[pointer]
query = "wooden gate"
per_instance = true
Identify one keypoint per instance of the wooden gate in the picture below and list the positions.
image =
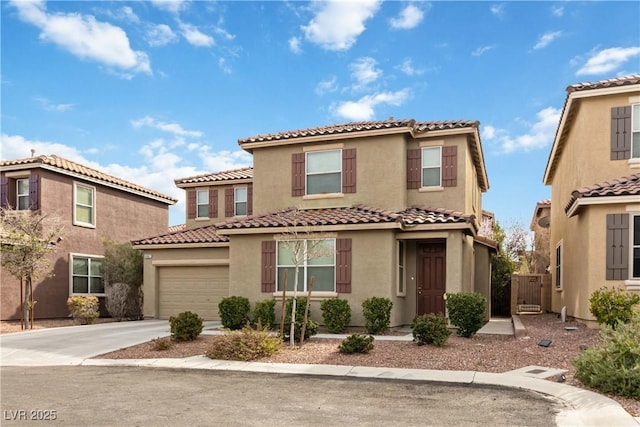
(530, 293)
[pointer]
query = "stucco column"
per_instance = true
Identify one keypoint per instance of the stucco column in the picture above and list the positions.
(149, 287)
(455, 262)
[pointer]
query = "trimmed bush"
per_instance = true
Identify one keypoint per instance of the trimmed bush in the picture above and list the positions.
(312, 326)
(613, 364)
(611, 306)
(84, 309)
(336, 314)
(377, 314)
(186, 326)
(264, 313)
(466, 311)
(430, 329)
(234, 312)
(356, 343)
(245, 344)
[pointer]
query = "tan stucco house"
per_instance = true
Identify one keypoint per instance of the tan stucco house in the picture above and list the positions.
(594, 174)
(396, 203)
(90, 206)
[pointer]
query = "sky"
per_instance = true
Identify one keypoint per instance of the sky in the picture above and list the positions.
(153, 91)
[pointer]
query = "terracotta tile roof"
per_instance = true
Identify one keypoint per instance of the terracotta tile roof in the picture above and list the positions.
(223, 176)
(62, 165)
(179, 227)
(205, 234)
(424, 215)
(409, 124)
(545, 202)
(618, 81)
(625, 186)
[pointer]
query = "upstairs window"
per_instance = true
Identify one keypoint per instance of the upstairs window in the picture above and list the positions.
(431, 167)
(240, 200)
(202, 204)
(22, 194)
(635, 255)
(86, 275)
(324, 172)
(635, 131)
(84, 212)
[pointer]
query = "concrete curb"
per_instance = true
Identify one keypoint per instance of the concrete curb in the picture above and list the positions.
(584, 408)
(518, 328)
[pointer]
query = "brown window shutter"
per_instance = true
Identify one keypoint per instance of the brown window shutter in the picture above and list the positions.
(191, 204)
(213, 203)
(34, 192)
(228, 202)
(414, 168)
(268, 266)
(4, 192)
(617, 246)
(249, 199)
(621, 133)
(343, 266)
(449, 166)
(349, 170)
(297, 174)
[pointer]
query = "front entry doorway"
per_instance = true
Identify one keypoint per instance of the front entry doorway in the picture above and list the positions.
(431, 258)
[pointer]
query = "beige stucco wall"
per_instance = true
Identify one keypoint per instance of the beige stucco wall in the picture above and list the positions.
(202, 222)
(156, 258)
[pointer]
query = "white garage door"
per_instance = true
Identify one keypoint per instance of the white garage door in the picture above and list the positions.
(196, 289)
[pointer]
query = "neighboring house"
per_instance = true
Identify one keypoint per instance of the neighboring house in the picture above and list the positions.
(594, 174)
(90, 205)
(396, 203)
(540, 255)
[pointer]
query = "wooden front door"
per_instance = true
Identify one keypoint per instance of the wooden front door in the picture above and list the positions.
(431, 277)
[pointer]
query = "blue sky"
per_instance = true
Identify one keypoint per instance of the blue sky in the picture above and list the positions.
(154, 91)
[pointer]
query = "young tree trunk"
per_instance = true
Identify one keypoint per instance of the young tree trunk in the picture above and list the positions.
(22, 322)
(292, 328)
(284, 304)
(26, 304)
(306, 311)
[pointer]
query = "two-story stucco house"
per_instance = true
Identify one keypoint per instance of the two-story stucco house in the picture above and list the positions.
(90, 206)
(594, 174)
(396, 203)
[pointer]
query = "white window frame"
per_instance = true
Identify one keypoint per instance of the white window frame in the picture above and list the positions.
(307, 173)
(422, 167)
(303, 267)
(72, 256)
(91, 224)
(237, 201)
(198, 204)
(559, 255)
(401, 280)
(633, 246)
(23, 195)
(635, 131)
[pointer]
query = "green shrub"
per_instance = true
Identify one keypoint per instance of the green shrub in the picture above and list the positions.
(466, 311)
(185, 326)
(234, 312)
(162, 344)
(430, 329)
(245, 344)
(611, 306)
(264, 313)
(356, 343)
(84, 309)
(336, 314)
(312, 326)
(377, 314)
(613, 364)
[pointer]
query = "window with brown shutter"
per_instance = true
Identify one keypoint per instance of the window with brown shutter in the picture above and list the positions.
(620, 133)
(414, 168)
(268, 266)
(191, 204)
(229, 207)
(213, 203)
(250, 199)
(297, 174)
(617, 242)
(34, 192)
(4, 192)
(450, 166)
(349, 170)
(343, 266)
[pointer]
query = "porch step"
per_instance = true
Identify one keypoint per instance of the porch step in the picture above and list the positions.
(498, 326)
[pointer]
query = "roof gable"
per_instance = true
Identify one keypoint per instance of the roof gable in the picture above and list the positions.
(232, 175)
(625, 186)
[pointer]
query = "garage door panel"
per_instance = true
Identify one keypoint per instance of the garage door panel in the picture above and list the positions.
(196, 289)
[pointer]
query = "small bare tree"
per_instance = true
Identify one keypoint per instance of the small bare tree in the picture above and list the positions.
(27, 238)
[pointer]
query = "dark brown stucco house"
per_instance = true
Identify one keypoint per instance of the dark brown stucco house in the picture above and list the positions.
(91, 205)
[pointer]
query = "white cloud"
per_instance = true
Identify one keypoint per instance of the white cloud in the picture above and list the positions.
(173, 128)
(363, 109)
(84, 37)
(50, 106)
(408, 18)
(127, 13)
(160, 35)
(497, 9)
(364, 72)
(326, 86)
(222, 64)
(608, 60)
(338, 23)
(539, 135)
(407, 68)
(482, 50)
(294, 45)
(557, 10)
(196, 37)
(173, 6)
(546, 39)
